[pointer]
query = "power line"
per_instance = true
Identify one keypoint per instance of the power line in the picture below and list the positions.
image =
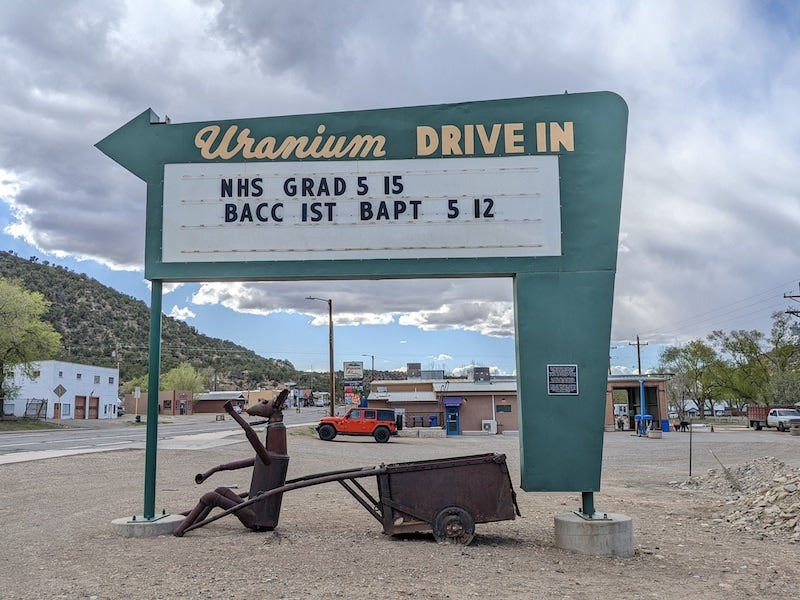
(700, 317)
(768, 300)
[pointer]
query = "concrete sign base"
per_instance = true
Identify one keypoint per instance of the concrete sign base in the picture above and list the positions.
(608, 536)
(140, 527)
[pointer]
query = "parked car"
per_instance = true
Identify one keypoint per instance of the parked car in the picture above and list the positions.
(380, 423)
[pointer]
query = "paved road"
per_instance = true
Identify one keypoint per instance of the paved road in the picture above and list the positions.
(180, 432)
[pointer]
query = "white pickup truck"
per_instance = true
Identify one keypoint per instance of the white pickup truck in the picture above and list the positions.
(783, 418)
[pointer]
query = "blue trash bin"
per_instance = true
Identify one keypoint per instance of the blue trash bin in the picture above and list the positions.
(434, 420)
(665, 425)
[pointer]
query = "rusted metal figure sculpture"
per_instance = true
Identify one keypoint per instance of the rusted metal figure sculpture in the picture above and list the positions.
(269, 472)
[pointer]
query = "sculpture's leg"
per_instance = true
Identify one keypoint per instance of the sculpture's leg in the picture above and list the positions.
(223, 498)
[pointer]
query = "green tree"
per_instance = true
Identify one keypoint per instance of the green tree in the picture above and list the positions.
(758, 368)
(784, 355)
(183, 377)
(785, 388)
(742, 372)
(692, 365)
(24, 337)
(129, 387)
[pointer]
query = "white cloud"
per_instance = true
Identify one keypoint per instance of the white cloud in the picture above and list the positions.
(9, 186)
(621, 370)
(376, 302)
(181, 314)
(466, 371)
(489, 318)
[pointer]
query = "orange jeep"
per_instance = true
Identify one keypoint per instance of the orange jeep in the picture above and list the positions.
(380, 423)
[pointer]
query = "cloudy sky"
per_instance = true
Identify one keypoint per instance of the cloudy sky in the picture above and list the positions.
(710, 232)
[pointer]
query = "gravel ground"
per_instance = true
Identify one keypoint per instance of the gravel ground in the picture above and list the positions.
(690, 540)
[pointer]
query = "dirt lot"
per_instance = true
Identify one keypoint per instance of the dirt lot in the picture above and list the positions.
(693, 539)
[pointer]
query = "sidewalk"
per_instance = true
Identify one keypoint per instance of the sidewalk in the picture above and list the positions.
(308, 416)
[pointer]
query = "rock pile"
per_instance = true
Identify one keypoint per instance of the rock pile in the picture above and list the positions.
(763, 497)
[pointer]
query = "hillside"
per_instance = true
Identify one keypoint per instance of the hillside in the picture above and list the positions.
(95, 322)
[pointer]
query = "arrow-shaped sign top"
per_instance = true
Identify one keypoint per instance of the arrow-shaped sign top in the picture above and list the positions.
(131, 145)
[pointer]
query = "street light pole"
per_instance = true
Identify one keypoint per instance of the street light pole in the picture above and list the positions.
(372, 371)
(330, 347)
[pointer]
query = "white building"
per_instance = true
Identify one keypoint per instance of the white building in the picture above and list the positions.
(64, 390)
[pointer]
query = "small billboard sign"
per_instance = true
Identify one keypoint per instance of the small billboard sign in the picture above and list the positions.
(353, 370)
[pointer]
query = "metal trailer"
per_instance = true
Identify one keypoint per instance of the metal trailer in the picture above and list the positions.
(447, 496)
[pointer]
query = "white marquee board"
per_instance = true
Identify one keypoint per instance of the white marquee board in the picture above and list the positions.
(444, 208)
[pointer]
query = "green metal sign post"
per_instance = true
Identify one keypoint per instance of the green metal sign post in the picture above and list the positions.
(527, 188)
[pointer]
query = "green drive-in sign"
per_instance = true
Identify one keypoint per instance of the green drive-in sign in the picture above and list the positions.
(527, 188)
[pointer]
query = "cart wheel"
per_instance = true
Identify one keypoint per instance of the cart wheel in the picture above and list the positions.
(382, 435)
(327, 432)
(453, 525)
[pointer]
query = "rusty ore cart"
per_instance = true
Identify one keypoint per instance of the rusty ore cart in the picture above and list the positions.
(447, 496)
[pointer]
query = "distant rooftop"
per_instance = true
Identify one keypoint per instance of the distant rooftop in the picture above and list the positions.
(227, 395)
(636, 377)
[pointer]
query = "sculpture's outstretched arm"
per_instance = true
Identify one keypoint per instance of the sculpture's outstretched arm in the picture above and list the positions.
(231, 466)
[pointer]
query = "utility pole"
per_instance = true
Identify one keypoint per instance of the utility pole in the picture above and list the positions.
(794, 313)
(642, 403)
(609, 358)
(116, 355)
(638, 345)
